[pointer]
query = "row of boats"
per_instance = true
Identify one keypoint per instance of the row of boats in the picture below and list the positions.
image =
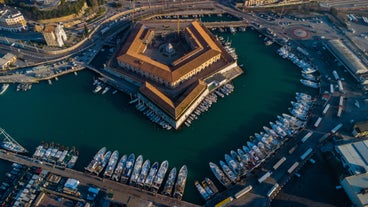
(152, 115)
(230, 50)
(58, 155)
(208, 101)
(260, 146)
(24, 86)
(139, 173)
(101, 86)
(307, 69)
(206, 188)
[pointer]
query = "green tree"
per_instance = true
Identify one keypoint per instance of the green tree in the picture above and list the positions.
(86, 30)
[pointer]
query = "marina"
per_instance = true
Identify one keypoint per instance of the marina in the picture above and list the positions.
(74, 86)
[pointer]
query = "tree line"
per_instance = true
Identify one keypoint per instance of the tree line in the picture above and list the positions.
(64, 9)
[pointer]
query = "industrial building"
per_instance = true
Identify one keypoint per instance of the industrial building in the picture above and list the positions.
(354, 156)
(356, 187)
(347, 58)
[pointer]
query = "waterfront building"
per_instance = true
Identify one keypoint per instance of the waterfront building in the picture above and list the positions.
(54, 35)
(360, 129)
(348, 59)
(7, 60)
(12, 20)
(354, 156)
(356, 187)
(172, 71)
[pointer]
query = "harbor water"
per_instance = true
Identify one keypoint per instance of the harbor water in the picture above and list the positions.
(69, 113)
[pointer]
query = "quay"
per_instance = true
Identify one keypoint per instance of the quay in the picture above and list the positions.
(121, 193)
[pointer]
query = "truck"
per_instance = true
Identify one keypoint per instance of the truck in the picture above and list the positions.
(306, 153)
(341, 106)
(291, 150)
(324, 137)
(341, 88)
(264, 177)
(243, 191)
(318, 121)
(306, 137)
(224, 202)
(336, 76)
(326, 109)
(293, 167)
(336, 128)
(279, 163)
(332, 90)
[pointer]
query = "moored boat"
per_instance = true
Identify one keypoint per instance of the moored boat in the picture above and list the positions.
(111, 164)
(201, 190)
(101, 165)
(4, 87)
(157, 181)
(229, 173)
(142, 176)
(170, 183)
(309, 83)
(96, 159)
(211, 185)
(119, 168)
(136, 170)
(180, 183)
(207, 188)
(13, 147)
(128, 169)
(232, 164)
(219, 174)
(151, 175)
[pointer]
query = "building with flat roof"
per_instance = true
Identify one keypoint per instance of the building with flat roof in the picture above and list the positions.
(356, 187)
(346, 57)
(354, 156)
(170, 69)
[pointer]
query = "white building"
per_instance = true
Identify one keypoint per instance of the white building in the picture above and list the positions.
(12, 20)
(54, 35)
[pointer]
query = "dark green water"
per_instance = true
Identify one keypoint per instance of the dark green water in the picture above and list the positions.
(68, 113)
